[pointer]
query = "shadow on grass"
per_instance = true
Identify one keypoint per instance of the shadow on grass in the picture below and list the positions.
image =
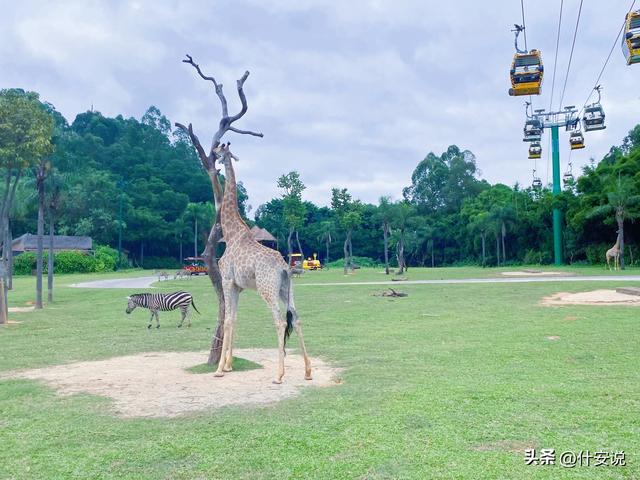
(239, 365)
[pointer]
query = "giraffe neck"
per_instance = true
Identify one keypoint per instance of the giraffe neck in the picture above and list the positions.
(232, 224)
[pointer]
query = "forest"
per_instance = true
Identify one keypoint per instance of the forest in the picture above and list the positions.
(142, 179)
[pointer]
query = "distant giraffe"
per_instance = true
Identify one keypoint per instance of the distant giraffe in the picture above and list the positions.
(614, 252)
(248, 264)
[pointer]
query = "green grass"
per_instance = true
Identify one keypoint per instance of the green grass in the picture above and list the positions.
(435, 385)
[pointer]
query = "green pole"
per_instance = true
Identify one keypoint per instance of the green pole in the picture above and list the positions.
(557, 214)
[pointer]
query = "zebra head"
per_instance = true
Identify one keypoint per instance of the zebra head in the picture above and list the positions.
(131, 305)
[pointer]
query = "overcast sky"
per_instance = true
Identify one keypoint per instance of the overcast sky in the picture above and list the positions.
(351, 94)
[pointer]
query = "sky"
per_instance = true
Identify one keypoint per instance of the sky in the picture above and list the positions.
(350, 94)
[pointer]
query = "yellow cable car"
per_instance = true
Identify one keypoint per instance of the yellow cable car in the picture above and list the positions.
(526, 70)
(526, 74)
(631, 38)
(535, 150)
(576, 140)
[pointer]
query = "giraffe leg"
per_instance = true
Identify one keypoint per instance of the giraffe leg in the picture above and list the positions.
(286, 295)
(230, 304)
(228, 358)
(281, 326)
(307, 362)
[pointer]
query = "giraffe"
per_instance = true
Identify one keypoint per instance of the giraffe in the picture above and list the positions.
(614, 252)
(249, 264)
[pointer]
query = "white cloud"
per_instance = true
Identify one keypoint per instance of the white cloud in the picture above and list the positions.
(348, 93)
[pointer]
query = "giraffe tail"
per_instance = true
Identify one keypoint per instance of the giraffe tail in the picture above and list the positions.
(286, 286)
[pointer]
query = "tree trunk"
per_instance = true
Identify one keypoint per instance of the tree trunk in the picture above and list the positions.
(195, 238)
(350, 253)
(483, 235)
(40, 244)
(213, 270)
(299, 246)
(327, 243)
(181, 258)
(433, 257)
(620, 221)
(142, 254)
(504, 252)
(498, 249)
(346, 252)
(3, 302)
(8, 255)
(289, 247)
(400, 253)
(385, 229)
(50, 261)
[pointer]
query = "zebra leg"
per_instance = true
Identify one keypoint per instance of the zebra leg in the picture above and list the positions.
(157, 319)
(183, 313)
(150, 320)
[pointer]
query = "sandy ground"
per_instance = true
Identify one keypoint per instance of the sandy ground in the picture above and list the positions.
(595, 297)
(535, 273)
(158, 384)
(21, 309)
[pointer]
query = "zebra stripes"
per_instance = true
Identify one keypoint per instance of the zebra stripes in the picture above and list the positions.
(162, 302)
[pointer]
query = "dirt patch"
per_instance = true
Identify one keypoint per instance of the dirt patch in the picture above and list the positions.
(553, 337)
(595, 297)
(535, 273)
(513, 446)
(158, 384)
(21, 309)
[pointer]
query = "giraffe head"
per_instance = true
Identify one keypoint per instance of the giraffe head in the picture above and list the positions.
(223, 153)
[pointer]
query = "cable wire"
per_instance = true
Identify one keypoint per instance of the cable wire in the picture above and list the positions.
(524, 30)
(573, 44)
(615, 42)
(555, 61)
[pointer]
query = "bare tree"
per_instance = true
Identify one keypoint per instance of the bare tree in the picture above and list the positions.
(208, 161)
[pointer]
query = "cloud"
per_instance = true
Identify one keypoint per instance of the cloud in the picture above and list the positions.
(349, 94)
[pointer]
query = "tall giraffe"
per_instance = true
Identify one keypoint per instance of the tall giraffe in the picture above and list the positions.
(614, 252)
(249, 264)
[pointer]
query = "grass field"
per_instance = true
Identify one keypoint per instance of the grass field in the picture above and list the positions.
(453, 381)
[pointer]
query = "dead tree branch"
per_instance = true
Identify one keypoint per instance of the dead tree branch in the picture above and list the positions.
(226, 121)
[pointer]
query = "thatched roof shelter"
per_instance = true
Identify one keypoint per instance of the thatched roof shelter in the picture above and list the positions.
(261, 235)
(28, 243)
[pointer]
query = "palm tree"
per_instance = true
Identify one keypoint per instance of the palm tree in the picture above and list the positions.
(403, 211)
(384, 218)
(622, 202)
(327, 227)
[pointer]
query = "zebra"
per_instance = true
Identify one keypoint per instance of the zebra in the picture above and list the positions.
(164, 302)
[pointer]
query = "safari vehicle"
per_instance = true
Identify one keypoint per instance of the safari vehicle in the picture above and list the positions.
(314, 264)
(195, 266)
(298, 262)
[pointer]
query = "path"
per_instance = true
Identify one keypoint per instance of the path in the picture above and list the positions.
(145, 282)
(592, 278)
(136, 282)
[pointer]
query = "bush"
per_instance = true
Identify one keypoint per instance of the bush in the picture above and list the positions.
(104, 259)
(537, 257)
(595, 253)
(161, 263)
(359, 261)
(74, 262)
(23, 264)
